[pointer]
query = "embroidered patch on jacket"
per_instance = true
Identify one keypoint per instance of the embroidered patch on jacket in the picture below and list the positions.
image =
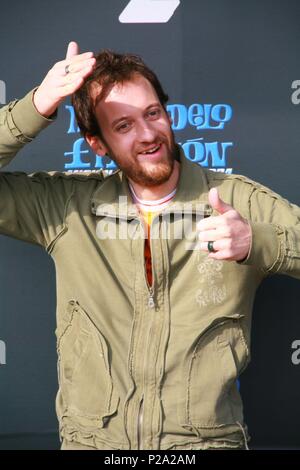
(212, 290)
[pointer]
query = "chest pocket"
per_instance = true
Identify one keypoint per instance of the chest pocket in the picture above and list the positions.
(86, 388)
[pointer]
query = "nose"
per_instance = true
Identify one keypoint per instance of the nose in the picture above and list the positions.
(146, 131)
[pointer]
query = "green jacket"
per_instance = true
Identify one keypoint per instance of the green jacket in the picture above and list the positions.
(145, 367)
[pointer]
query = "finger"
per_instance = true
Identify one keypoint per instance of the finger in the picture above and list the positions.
(62, 63)
(73, 49)
(75, 67)
(70, 88)
(72, 77)
(81, 65)
(218, 245)
(217, 203)
(221, 255)
(204, 246)
(80, 57)
(209, 235)
(210, 223)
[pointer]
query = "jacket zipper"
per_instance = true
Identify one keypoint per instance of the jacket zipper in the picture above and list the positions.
(140, 424)
(151, 303)
(150, 289)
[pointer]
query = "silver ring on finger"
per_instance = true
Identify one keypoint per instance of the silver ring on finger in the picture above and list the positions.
(67, 69)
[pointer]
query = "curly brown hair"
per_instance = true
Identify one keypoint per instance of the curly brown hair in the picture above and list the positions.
(111, 68)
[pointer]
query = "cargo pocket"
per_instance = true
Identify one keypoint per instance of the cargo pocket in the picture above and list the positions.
(209, 400)
(87, 394)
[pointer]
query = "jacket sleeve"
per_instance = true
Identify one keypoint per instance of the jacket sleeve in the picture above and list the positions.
(32, 207)
(275, 224)
(20, 123)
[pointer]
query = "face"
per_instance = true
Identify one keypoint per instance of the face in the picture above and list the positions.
(137, 132)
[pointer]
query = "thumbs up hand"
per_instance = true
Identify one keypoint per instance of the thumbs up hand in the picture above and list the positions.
(229, 233)
(63, 79)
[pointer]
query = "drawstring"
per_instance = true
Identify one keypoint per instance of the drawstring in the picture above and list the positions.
(244, 434)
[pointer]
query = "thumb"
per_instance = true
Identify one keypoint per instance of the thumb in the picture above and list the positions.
(73, 49)
(217, 203)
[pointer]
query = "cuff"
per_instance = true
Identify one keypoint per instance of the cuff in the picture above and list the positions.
(27, 120)
(265, 250)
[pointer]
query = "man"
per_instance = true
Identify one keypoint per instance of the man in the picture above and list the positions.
(153, 327)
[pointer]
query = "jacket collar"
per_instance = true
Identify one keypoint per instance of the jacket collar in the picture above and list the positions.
(113, 197)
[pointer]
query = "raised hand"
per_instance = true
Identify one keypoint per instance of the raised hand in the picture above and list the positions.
(63, 79)
(229, 231)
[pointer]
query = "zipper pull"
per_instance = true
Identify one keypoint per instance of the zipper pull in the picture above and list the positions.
(151, 303)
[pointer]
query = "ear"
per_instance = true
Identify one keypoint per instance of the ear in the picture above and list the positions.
(96, 144)
(170, 119)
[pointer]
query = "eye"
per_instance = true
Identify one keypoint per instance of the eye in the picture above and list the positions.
(123, 127)
(154, 113)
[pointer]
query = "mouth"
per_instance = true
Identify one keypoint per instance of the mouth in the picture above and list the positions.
(151, 152)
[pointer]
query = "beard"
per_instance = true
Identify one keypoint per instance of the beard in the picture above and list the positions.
(148, 175)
